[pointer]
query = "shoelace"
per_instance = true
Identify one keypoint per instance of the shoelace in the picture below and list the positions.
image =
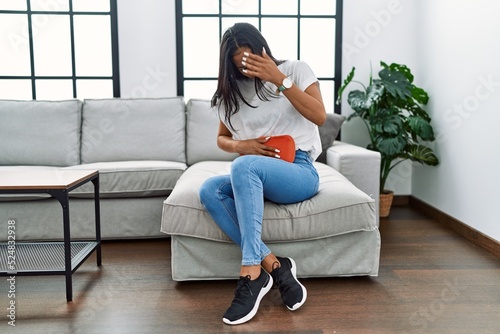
(243, 283)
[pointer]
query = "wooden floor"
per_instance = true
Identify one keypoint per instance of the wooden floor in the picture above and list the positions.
(431, 281)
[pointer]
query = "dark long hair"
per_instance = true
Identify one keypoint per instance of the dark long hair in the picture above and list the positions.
(228, 93)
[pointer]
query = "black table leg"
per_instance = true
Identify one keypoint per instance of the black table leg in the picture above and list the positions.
(63, 198)
(97, 219)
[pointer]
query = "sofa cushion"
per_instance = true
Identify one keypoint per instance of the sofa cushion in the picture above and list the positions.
(131, 178)
(328, 132)
(133, 129)
(40, 132)
(338, 208)
(202, 126)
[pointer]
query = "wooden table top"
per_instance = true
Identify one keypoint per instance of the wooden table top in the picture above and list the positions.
(36, 179)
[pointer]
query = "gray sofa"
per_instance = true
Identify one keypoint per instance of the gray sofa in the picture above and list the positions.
(152, 155)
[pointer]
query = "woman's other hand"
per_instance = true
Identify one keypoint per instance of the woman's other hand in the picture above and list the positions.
(256, 146)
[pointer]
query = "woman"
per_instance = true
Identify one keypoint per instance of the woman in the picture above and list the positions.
(258, 97)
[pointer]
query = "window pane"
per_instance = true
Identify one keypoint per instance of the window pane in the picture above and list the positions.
(15, 55)
(50, 5)
(318, 7)
(282, 45)
(13, 5)
(280, 23)
(201, 47)
(91, 5)
(327, 88)
(52, 46)
(321, 57)
(200, 6)
(200, 89)
(15, 89)
(54, 89)
(230, 21)
(240, 7)
(94, 89)
(280, 7)
(93, 45)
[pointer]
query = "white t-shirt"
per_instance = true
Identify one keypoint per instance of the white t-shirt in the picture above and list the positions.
(276, 116)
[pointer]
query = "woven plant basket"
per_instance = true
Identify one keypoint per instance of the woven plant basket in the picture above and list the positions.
(385, 203)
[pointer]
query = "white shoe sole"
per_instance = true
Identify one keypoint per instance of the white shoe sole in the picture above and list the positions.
(255, 308)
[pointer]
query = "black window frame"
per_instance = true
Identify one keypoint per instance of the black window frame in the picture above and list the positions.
(179, 15)
(115, 76)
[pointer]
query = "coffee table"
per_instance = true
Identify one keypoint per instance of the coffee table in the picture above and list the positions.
(48, 258)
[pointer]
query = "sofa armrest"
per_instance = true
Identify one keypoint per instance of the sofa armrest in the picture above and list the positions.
(359, 165)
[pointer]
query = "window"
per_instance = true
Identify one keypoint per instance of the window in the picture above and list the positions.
(58, 49)
(309, 30)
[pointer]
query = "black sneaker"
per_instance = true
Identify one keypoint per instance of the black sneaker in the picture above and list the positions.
(247, 298)
(292, 292)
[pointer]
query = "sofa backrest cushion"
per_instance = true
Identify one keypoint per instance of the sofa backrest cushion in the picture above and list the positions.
(44, 133)
(133, 129)
(328, 132)
(202, 126)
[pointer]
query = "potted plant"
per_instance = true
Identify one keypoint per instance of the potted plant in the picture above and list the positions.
(390, 107)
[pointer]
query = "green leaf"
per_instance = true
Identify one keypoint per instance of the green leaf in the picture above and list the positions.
(421, 128)
(390, 146)
(403, 69)
(419, 95)
(423, 154)
(374, 94)
(347, 80)
(357, 100)
(395, 83)
(386, 123)
(415, 110)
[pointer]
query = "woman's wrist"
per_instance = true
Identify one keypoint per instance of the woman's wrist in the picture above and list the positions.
(234, 146)
(280, 80)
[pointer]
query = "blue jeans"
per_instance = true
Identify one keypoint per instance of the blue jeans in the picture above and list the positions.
(236, 201)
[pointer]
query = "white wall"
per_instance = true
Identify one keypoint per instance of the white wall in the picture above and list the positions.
(374, 31)
(146, 37)
(459, 59)
(453, 49)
